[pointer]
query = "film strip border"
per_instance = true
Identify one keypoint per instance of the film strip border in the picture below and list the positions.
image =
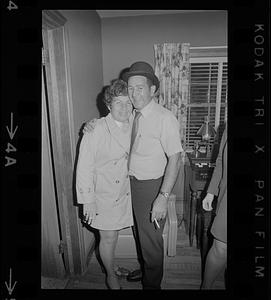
(21, 145)
(249, 144)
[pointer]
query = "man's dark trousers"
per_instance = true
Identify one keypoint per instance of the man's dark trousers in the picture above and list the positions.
(148, 236)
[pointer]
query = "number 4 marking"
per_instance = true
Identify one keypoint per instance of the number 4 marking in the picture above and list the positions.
(12, 5)
(10, 148)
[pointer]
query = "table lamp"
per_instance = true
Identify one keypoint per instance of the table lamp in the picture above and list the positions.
(206, 131)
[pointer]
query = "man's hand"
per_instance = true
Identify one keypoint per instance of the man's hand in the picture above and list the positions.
(89, 126)
(90, 212)
(207, 202)
(159, 208)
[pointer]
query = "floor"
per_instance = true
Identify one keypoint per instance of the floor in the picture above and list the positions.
(180, 272)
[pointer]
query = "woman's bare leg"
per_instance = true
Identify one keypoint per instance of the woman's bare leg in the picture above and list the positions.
(107, 252)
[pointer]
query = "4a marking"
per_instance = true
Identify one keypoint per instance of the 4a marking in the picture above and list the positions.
(9, 286)
(10, 148)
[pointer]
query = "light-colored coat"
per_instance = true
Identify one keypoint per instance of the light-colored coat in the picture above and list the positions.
(102, 174)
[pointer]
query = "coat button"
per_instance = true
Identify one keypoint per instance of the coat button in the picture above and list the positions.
(127, 194)
(117, 181)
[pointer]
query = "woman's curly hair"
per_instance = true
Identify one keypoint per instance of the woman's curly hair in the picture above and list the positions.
(117, 88)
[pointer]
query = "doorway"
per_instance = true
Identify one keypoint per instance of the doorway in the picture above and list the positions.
(53, 262)
(65, 237)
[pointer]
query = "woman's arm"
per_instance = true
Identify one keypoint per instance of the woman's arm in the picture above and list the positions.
(85, 169)
(85, 176)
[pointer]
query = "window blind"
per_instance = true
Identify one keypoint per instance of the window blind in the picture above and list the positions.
(207, 96)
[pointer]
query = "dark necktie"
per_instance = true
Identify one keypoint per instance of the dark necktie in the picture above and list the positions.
(134, 129)
(134, 133)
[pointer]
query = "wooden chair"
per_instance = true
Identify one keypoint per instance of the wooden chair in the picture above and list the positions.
(126, 244)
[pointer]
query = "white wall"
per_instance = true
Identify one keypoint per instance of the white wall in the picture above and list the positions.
(85, 47)
(86, 68)
(128, 39)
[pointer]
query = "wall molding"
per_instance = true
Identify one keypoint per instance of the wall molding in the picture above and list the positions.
(52, 19)
(208, 51)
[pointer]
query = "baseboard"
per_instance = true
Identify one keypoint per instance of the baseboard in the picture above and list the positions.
(53, 283)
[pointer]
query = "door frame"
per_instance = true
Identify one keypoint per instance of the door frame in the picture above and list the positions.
(56, 58)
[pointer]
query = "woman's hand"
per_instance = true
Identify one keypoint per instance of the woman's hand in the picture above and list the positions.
(90, 212)
(207, 202)
(89, 126)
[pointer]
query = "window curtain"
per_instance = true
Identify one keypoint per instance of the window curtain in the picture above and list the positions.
(172, 70)
(171, 66)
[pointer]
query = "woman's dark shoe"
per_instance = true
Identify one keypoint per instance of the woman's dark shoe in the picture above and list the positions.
(135, 275)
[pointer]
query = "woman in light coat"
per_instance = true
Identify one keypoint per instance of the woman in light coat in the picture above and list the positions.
(102, 181)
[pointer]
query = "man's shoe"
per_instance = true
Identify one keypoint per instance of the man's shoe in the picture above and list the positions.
(135, 275)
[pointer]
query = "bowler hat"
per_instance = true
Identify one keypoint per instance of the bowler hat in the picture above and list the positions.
(144, 69)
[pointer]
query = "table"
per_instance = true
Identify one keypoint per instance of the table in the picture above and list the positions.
(198, 171)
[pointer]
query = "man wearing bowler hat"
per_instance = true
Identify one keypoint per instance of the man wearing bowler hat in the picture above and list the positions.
(154, 163)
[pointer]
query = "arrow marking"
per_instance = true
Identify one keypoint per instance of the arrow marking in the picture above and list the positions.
(9, 287)
(11, 133)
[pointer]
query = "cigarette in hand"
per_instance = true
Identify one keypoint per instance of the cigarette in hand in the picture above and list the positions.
(157, 224)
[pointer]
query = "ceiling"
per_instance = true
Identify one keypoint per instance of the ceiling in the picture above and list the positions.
(126, 13)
